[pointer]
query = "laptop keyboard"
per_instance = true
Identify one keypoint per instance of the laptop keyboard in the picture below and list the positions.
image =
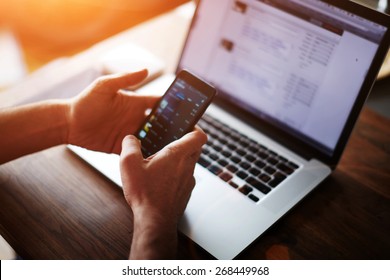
(251, 168)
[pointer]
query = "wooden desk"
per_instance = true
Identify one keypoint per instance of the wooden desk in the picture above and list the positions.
(54, 206)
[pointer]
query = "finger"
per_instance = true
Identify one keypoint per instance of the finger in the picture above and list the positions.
(187, 194)
(198, 128)
(194, 157)
(148, 100)
(117, 81)
(193, 183)
(193, 141)
(131, 154)
(188, 146)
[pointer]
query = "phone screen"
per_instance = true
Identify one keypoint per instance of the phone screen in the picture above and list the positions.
(176, 114)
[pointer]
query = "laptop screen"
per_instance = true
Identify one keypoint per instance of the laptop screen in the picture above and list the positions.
(297, 64)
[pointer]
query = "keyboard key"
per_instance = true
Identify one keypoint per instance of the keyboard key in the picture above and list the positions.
(241, 152)
(204, 162)
(242, 174)
(223, 162)
(205, 151)
(278, 178)
(215, 169)
(232, 147)
(269, 169)
(254, 171)
(250, 158)
(217, 124)
(245, 165)
(272, 153)
(226, 130)
(245, 189)
(253, 197)
(213, 135)
(260, 163)
(216, 147)
(243, 143)
(280, 158)
(253, 149)
(264, 177)
(262, 154)
(214, 156)
(226, 153)
(232, 168)
(235, 137)
(251, 180)
(234, 185)
(272, 160)
(284, 168)
(263, 147)
(226, 176)
(258, 185)
(205, 129)
(292, 165)
(235, 159)
(204, 119)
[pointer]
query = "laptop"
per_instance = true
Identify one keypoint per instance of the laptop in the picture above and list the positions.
(292, 77)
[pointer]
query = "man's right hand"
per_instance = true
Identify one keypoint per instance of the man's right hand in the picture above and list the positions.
(158, 189)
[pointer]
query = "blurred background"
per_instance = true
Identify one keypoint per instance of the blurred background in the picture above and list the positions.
(42, 30)
(46, 29)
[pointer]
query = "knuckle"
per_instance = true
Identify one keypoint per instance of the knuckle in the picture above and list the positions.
(203, 137)
(126, 158)
(173, 150)
(101, 81)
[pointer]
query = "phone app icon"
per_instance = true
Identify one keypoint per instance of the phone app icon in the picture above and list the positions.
(180, 95)
(147, 126)
(142, 134)
(163, 104)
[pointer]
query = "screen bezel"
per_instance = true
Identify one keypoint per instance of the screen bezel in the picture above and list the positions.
(302, 147)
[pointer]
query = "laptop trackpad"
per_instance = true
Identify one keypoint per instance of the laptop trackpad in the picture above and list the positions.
(284, 198)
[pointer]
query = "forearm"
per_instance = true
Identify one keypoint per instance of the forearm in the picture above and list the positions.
(31, 128)
(153, 240)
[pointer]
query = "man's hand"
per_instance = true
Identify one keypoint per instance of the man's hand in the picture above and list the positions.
(102, 115)
(158, 189)
(97, 119)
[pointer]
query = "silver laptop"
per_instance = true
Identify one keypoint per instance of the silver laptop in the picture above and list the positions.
(292, 77)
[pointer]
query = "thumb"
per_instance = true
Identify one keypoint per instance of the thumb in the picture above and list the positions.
(131, 155)
(116, 82)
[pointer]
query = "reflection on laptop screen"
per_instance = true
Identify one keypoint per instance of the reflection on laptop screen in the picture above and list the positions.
(299, 64)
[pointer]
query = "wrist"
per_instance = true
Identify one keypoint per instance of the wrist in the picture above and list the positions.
(154, 237)
(150, 219)
(32, 128)
(67, 109)
(63, 110)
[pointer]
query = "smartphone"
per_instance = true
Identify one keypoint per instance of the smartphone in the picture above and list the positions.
(176, 114)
